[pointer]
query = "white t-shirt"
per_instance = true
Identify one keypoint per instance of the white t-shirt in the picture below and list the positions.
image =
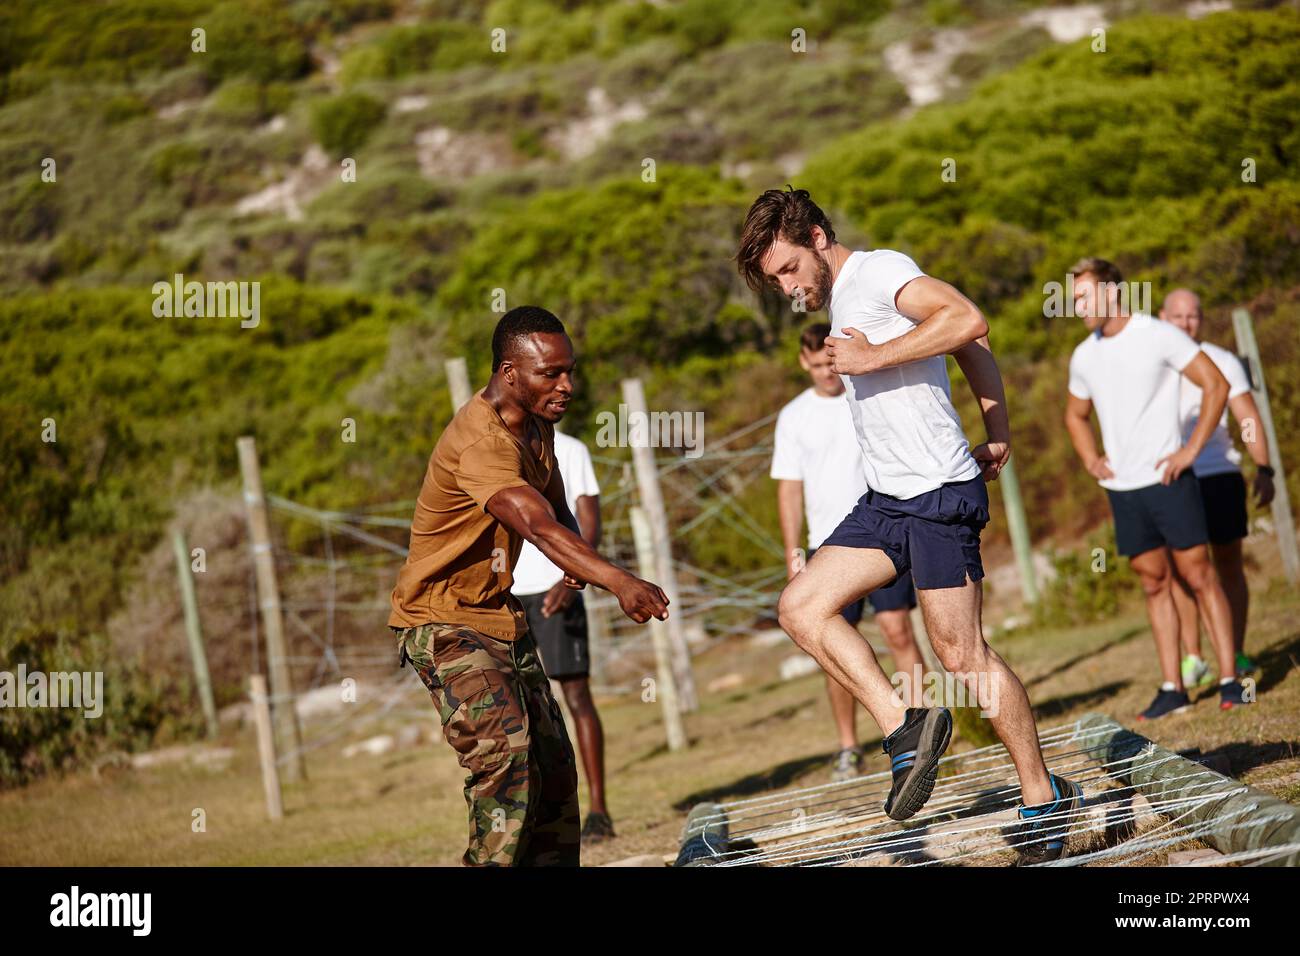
(815, 444)
(535, 573)
(1133, 379)
(1219, 456)
(911, 436)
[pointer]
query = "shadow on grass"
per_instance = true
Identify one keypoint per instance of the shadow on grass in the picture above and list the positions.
(1087, 698)
(781, 713)
(1123, 638)
(779, 776)
(1243, 757)
(1278, 661)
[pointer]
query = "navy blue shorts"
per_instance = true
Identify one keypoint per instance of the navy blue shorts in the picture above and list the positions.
(1159, 516)
(899, 596)
(936, 535)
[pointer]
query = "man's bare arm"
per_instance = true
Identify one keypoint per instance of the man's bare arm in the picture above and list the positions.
(1078, 412)
(527, 513)
(1246, 412)
(1203, 373)
(789, 509)
(589, 518)
(981, 370)
(563, 592)
(560, 502)
(946, 321)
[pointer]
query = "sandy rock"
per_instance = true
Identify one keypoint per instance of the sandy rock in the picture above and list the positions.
(725, 682)
(773, 637)
(798, 665)
(373, 746)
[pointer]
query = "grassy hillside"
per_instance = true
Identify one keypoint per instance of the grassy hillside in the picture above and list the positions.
(525, 171)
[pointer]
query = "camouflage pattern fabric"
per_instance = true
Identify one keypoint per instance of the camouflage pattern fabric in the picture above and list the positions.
(500, 717)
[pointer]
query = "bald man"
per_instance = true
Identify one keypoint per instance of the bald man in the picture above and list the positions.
(1223, 489)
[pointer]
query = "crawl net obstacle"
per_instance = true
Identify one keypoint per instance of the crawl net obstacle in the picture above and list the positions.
(1140, 802)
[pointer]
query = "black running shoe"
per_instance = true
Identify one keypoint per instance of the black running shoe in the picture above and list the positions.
(597, 829)
(914, 750)
(1232, 694)
(1040, 835)
(1166, 702)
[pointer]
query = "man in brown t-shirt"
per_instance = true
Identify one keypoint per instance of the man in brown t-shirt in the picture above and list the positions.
(490, 483)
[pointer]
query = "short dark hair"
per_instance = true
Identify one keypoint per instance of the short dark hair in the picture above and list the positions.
(813, 337)
(1092, 265)
(786, 213)
(519, 323)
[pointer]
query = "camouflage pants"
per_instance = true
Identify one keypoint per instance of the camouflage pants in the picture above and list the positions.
(499, 716)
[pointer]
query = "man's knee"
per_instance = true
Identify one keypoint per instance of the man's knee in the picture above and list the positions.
(577, 694)
(964, 656)
(897, 630)
(792, 611)
(1157, 576)
(1229, 562)
(1199, 573)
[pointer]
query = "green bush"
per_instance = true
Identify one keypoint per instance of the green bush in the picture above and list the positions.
(245, 101)
(343, 123)
(1090, 585)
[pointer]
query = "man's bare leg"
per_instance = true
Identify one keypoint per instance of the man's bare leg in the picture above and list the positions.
(1196, 568)
(1189, 616)
(1230, 562)
(591, 737)
(809, 611)
(1153, 568)
(843, 709)
(953, 620)
(896, 627)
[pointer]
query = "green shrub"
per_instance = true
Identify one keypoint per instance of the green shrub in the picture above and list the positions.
(1090, 585)
(343, 123)
(245, 101)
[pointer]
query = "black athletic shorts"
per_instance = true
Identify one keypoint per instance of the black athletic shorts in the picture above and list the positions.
(1226, 516)
(1159, 516)
(935, 535)
(561, 638)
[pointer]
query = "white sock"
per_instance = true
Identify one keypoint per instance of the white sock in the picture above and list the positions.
(1169, 685)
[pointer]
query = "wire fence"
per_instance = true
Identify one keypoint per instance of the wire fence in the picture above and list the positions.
(337, 566)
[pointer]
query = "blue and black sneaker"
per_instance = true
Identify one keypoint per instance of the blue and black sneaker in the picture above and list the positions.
(914, 750)
(1166, 702)
(1040, 834)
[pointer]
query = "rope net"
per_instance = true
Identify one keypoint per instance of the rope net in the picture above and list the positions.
(970, 819)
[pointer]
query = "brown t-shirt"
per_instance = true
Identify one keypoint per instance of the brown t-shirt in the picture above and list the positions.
(454, 573)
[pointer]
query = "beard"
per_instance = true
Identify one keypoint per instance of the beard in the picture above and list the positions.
(819, 296)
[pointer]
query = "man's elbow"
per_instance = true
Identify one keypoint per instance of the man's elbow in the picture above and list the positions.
(976, 326)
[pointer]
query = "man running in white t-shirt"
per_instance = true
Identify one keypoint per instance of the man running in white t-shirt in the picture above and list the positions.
(891, 327)
(557, 618)
(818, 468)
(1128, 368)
(1223, 490)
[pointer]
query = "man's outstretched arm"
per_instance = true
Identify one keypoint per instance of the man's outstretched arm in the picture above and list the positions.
(945, 321)
(526, 512)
